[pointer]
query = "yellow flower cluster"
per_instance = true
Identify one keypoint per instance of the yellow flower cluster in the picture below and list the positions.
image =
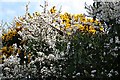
(53, 10)
(7, 51)
(19, 24)
(12, 32)
(9, 36)
(80, 22)
(77, 21)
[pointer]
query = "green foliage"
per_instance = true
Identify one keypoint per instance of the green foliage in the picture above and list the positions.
(88, 53)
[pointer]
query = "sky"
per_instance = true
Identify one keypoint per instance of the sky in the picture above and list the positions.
(14, 8)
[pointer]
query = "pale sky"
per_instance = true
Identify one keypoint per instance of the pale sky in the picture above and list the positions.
(11, 8)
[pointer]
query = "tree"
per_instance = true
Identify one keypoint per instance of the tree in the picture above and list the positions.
(107, 12)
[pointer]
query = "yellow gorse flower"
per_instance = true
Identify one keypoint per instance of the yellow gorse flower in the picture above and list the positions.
(53, 10)
(81, 27)
(11, 49)
(82, 23)
(4, 49)
(37, 13)
(92, 31)
(18, 24)
(101, 28)
(9, 35)
(69, 33)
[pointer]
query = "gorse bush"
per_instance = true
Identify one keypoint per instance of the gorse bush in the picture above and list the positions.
(50, 45)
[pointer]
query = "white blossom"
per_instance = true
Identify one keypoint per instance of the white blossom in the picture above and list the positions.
(51, 57)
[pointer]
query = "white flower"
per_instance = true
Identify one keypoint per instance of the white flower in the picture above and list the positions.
(93, 71)
(7, 69)
(78, 74)
(109, 75)
(40, 54)
(51, 57)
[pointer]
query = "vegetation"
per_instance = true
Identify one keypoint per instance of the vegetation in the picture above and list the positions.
(50, 45)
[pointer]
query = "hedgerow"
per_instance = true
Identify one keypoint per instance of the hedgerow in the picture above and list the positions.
(51, 45)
